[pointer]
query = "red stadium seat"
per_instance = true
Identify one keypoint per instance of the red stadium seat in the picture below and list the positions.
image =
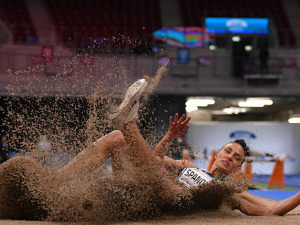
(109, 18)
(15, 14)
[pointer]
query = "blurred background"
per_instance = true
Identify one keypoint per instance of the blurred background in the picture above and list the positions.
(233, 66)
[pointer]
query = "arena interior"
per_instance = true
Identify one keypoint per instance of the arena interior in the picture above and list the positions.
(233, 66)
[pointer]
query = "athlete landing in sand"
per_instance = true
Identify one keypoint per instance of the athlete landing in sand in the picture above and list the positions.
(129, 149)
(228, 160)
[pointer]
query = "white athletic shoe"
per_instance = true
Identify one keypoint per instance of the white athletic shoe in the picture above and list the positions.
(128, 110)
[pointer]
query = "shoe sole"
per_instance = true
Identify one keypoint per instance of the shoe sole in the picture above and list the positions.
(114, 116)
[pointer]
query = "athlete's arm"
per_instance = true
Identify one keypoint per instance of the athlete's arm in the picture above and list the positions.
(255, 206)
(176, 128)
(179, 163)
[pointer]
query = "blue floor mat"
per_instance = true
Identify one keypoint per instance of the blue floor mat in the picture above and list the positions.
(274, 194)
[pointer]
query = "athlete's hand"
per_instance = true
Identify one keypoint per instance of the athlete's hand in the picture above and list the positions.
(178, 126)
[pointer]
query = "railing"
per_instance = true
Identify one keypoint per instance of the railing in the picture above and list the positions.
(206, 68)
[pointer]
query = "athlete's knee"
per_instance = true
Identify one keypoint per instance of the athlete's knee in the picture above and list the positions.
(19, 169)
(116, 134)
(19, 161)
(114, 138)
(117, 138)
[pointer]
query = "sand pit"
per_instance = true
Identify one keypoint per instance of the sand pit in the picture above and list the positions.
(223, 216)
(94, 197)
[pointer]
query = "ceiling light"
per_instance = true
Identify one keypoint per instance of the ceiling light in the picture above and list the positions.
(295, 119)
(191, 108)
(255, 102)
(199, 102)
(212, 47)
(218, 112)
(234, 110)
(248, 48)
(251, 104)
(236, 38)
(266, 101)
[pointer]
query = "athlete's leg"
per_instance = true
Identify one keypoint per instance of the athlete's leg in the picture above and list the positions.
(142, 158)
(91, 158)
(21, 180)
(111, 145)
(31, 191)
(145, 162)
(139, 151)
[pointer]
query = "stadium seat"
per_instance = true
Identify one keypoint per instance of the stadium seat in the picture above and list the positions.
(108, 18)
(15, 14)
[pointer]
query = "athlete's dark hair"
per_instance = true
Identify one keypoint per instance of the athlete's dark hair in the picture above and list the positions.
(243, 144)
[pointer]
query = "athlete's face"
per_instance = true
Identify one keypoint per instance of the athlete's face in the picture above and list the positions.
(229, 158)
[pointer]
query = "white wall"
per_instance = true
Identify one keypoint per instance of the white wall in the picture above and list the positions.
(271, 137)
